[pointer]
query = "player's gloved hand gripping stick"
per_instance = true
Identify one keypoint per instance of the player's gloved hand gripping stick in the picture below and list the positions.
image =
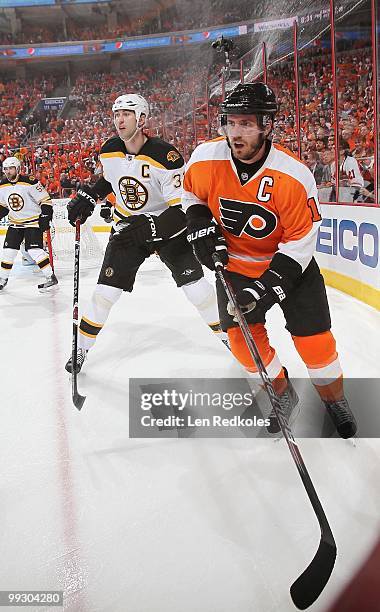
(309, 585)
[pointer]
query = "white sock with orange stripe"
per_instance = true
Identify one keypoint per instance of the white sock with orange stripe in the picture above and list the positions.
(92, 322)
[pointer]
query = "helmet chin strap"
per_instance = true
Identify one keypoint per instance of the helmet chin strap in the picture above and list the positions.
(136, 130)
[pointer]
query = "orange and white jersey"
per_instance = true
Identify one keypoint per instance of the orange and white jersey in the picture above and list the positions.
(351, 170)
(277, 210)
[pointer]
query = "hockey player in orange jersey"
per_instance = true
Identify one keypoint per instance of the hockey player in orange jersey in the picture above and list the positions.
(256, 204)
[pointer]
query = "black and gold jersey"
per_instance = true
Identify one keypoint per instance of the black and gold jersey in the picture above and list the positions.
(23, 199)
(147, 182)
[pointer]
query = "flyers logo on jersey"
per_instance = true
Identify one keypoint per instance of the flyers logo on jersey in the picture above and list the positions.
(172, 156)
(248, 218)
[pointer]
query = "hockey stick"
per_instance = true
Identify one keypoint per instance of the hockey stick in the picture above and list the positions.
(309, 585)
(78, 400)
(50, 249)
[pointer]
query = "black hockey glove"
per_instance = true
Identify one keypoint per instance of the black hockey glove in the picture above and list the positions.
(146, 228)
(271, 288)
(266, 291)
(106, 211)
(205, 236)
(3, 211)
(45, 217)
(82, 206)
(136, 230)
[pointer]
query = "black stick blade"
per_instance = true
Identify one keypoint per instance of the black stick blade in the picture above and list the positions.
(308, 587)
(78, 400)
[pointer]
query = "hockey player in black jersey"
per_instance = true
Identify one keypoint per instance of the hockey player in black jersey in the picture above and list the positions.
(30, 211)
(145, 174)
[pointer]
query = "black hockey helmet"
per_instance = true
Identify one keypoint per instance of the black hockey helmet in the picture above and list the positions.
(250, 99)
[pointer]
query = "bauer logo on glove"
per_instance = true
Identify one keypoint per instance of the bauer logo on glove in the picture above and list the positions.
(201, 233)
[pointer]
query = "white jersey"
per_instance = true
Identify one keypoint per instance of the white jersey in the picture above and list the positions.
(23, 199)
(350, 168)
(147, 182)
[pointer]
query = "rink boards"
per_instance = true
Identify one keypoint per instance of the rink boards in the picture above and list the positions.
(347, 249)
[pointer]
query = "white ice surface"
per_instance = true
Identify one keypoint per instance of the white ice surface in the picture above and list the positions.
(163, 525)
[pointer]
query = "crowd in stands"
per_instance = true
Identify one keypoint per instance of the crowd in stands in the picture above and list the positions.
(356, 113)
(179, 16)
(18, 97)
(174, 94)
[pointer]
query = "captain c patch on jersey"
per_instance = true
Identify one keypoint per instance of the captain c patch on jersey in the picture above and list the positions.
(246, 217)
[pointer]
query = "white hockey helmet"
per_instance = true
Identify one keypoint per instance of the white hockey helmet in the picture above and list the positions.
(132, 102)
(12, 162)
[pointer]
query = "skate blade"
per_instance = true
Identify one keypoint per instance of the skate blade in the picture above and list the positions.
(51, 289)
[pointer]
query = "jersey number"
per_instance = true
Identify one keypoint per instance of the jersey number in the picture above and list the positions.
(177, 180)
(315, 214)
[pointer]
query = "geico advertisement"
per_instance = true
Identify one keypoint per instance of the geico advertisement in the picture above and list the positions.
(348, 242)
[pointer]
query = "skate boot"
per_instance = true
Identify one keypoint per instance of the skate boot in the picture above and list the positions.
(342, 417)
(3, 282)
(81, 358)
(50, 282)
(288, 401)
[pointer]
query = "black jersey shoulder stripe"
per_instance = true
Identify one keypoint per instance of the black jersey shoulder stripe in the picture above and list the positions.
(23, 178)
(162, 152)
(113, 145)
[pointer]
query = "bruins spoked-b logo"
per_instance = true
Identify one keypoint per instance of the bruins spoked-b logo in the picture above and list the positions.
(15, 202)
(248, 218)
(134, 194)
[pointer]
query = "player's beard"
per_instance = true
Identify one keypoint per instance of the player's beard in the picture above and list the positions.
(13, 178)
(247, 153)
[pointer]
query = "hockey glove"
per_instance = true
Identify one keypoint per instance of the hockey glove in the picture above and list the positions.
(266, 291)
(82, 206)
(205, 236)
(45, 217)
(106, 211)
(135, 231)
(146, 229)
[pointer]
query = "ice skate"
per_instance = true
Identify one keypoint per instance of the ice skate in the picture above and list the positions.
(81, 358)
(50, 282)
(288, 401)
(342, 417)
